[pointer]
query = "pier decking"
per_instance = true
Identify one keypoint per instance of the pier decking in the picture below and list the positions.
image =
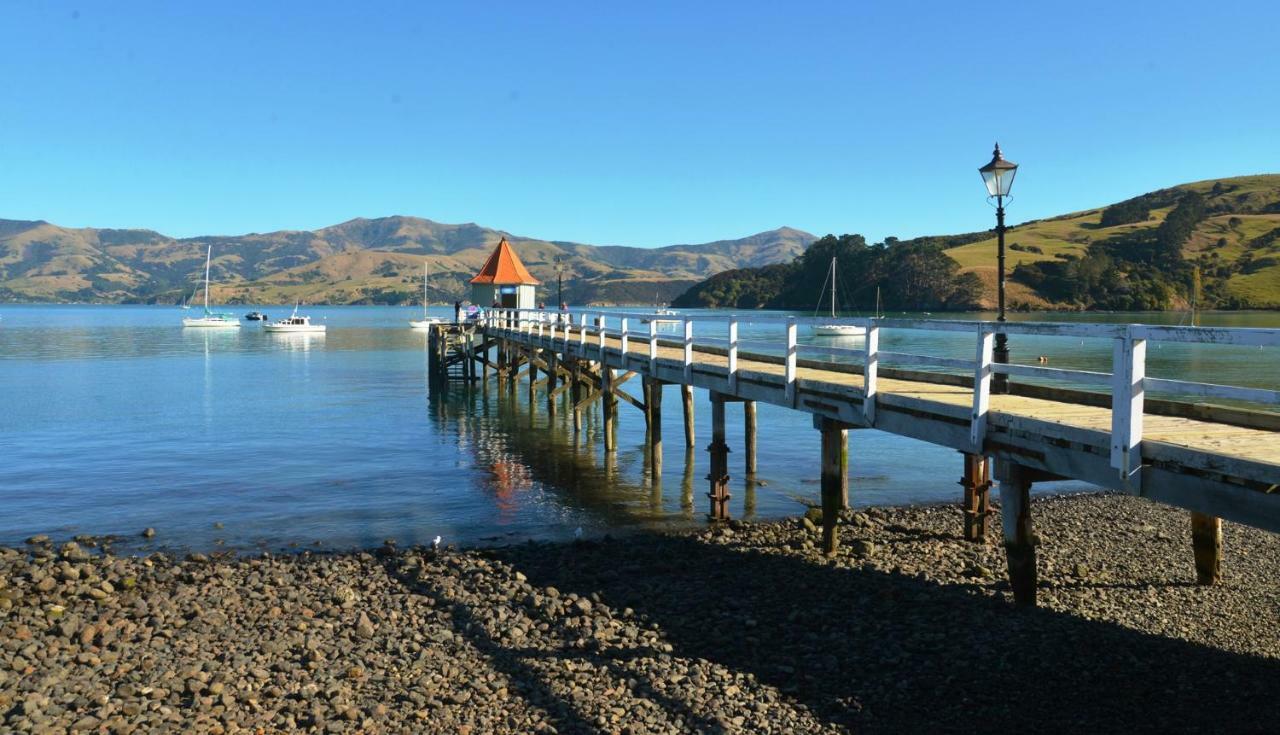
(1217, 461)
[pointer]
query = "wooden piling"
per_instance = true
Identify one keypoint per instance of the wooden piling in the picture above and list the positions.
(1206, 542)
(609, 406)
(433, 357)
(686, 396)
(749, 438)
(653, 420)
(1019, 540)
(533, 379)
(553, 374)
(976, 482)
(834, 481)
(719, 450)
(844, 468)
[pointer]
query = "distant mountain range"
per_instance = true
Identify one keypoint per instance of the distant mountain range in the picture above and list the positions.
(360, 261)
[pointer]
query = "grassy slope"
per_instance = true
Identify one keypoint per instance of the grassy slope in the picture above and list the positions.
(1072, 233)
(357, 261)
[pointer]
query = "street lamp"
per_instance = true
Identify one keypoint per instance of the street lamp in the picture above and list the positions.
(560, 269)
(998, 176)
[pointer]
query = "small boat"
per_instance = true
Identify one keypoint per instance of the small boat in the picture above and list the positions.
(256, 316)
(659, 314)
(293, 323)
(210, 319)
(426, 321)
(835, 329)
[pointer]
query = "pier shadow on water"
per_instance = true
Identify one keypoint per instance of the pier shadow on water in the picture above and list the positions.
(869, 650)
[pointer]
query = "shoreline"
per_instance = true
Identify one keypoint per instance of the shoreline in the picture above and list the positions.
(740, 628)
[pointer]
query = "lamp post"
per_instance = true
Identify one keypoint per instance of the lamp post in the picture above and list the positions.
(559, 280)
(998, 176)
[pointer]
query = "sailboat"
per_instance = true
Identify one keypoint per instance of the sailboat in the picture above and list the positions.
(186, 302)
(835, 329)
(210, 319)
(426, 321)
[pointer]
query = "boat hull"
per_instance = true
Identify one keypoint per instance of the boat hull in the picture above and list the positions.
(294, 328)
(839, 330)
(201, 323)
(423, 323)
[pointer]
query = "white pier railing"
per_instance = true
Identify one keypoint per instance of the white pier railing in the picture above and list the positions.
(1127, 382)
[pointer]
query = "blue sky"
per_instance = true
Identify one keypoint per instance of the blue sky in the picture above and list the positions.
(644, 124)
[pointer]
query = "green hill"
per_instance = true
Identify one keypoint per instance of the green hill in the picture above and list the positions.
(1141, 253)
(360, 261)
(1234, 239)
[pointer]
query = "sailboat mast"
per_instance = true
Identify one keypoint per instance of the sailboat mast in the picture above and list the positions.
(833, 287)
(1195, 296)
(426, 274)
(207, 256)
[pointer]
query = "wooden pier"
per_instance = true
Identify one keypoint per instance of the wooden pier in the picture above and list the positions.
(1217, 461)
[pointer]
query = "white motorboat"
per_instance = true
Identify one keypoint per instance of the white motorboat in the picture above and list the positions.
(834, 328)
(210, 319)
(293, 323)
(426, 321)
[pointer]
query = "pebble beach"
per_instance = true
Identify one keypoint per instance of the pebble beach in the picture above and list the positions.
(745, 627)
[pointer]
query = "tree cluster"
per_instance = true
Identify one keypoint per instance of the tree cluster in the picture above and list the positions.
(910, 275)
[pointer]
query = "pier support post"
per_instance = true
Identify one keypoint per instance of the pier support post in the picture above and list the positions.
(609, 404)
(1019, 541)
(433, 357)
(686, 396)
(1206, 542)
(719, 450)
(835, 479)
(653, 419)
(749, 438)
(976, 482)
(553, 373)
(533, 377)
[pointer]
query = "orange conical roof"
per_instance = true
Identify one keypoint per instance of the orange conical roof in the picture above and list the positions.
(503, 268)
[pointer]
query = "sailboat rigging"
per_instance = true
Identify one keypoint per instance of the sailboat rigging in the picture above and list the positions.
(834, 328)
(426, 321)
(210, 319)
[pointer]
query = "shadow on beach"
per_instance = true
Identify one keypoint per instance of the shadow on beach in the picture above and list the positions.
(864, 649)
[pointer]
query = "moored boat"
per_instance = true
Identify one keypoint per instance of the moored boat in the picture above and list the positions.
(426, 321)
(293, 323)
(256, 316)
(210, 319)
(834, 328)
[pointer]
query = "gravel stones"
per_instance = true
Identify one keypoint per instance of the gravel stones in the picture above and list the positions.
(908, 628)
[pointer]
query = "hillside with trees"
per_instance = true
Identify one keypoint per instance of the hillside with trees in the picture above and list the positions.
(1139, 254)
(910, 275)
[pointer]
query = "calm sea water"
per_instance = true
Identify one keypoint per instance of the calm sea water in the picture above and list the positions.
(115, 418)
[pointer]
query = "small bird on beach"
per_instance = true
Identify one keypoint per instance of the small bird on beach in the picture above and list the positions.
(435, 544)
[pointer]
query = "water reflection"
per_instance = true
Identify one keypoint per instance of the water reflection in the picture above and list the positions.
(526, 453)
(296, 341)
